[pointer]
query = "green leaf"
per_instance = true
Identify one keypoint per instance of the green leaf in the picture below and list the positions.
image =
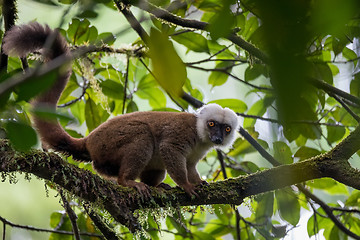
(323, 183)
(312, 229)
(321, 223)
(221, 24)
(55, 219)
(335, 234)
(210, 5)
(81, 32)
(152, 225)
(323, 71)
(332, 16)
(242, 146)
(224, 213)
(35, 85)
(355, 85)
(306, 152)
(254, 71)
(94, 114)
(218, 78)
(149, 90)
(329, 185)
(78, 110)
(216, 228)
(221, 51)
(112, 89)
(155, 97)
(22, 136)
(338, 45)
(193, 41)
(282, 153)
(73, 133)
(132, 107)
(169, 69)
(234, 104)
(350, 55)
(172, 222)
(5, 97)
(200, 235)
(85, 224)
(334, 69)
(50, 114)
(71, 86)
(291, 133)
(288, 205)
(106, 37)
(265, 207)
(61, 222)
(258, 109)
(342, 116)
(334, 133)
(87, 14)
(251, 25)
(353, 199)
(338, 189)
(66, 1)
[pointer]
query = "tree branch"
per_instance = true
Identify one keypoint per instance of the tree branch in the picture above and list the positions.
(72, 215)
(331, 89)
(194, 24)
(120, 202)
(132, 20)
(103, 228)
(329, 211)
(31, 228)
(345, 106)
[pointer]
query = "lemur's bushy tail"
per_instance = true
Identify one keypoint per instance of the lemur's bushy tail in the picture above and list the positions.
(34, 37)
(24, 39)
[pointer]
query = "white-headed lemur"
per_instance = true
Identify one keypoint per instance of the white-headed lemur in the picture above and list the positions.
(140, 145)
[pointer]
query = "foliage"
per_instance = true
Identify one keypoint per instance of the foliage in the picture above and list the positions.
(296, 63)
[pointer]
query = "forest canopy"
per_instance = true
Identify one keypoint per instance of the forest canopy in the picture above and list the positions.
(289, 69)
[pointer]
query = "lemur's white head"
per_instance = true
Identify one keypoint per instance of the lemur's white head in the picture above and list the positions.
(217, 125)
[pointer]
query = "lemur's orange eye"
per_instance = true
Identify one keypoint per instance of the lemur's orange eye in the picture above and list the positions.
(228, 129)
(211, 124)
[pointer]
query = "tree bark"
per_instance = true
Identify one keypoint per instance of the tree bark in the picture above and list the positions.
(121, 202)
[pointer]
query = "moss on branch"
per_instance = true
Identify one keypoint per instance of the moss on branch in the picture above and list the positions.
(121, 202)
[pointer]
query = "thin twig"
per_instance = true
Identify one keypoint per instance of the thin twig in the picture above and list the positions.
(331, 89)
(130, 51)
(347, 210)
(30, 228)
(70, 212)
(231, 75)
(101, 226)
(84, 88)
(4, 230)
(329, 212)
(126, 82)
(222, 163)
(223, 169)
(293, 122)
(345, 106)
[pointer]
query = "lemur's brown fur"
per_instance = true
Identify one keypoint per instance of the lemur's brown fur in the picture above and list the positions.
(137, 145)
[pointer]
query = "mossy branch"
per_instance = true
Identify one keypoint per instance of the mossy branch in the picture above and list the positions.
(121, 202)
